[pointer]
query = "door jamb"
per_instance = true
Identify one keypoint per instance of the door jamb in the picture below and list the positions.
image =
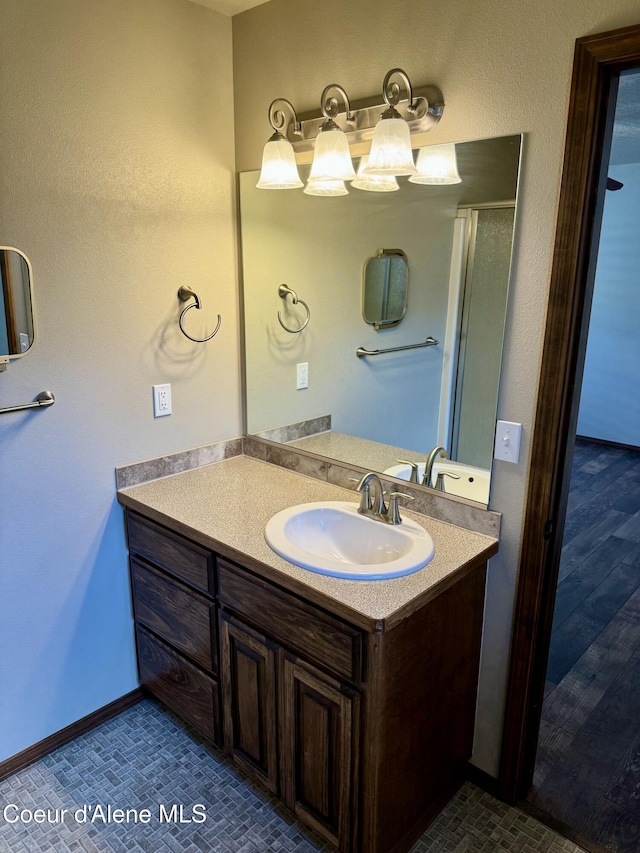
(597, 64)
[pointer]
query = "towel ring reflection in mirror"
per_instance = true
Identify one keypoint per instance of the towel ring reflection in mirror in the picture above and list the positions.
(283, 292)
(184, 294)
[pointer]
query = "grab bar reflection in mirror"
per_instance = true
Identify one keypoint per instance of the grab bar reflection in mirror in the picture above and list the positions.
(361, 352)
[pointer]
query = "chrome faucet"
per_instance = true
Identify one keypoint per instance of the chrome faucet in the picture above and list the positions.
(372, 501)
(428, 468)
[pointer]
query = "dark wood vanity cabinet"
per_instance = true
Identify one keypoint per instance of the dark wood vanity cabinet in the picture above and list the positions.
(319, 727)
(172, 581)
(363, 734)
(249, 701)
(292, 728)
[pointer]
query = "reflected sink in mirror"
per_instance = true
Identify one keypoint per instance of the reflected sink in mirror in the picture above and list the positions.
(332, 538)
(473, 483)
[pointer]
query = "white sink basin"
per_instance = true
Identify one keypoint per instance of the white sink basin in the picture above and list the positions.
(332, 538)
(473, 483)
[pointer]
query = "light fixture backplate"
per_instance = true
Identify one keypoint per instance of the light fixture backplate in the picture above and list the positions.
(367, 114)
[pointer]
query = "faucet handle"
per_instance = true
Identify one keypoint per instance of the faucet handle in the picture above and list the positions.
(440, 479)
(394, 511)
(413, 477)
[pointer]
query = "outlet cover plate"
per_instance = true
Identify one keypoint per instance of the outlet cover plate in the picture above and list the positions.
(161, 400)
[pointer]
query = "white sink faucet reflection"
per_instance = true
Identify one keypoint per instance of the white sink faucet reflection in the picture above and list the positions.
(473, 483)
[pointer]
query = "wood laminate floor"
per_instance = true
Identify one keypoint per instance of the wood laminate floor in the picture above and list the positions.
(588, 763)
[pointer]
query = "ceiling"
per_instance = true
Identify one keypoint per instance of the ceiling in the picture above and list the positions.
(229, 7)
(625, 146)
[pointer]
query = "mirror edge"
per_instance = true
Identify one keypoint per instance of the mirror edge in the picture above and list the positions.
(6, 359)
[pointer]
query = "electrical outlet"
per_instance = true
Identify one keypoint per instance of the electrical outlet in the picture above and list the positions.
(161, 400)
(302, 376)
(507, 441)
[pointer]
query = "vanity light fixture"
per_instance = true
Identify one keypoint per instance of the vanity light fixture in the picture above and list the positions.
(374, 183)
(405, 111)
(279, 169)
(391, 152)
(437, 164)
(331, 156)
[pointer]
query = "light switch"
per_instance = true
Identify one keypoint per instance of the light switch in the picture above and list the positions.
(507, 441)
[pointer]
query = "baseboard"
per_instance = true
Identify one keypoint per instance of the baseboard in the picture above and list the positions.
(483, 780)
(561, 828)
(606, 443)
(80, 727)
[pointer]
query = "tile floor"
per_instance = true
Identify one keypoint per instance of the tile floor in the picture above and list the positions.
(146, 758)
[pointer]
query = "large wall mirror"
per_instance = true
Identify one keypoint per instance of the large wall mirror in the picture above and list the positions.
(377, 410)
(17, 331)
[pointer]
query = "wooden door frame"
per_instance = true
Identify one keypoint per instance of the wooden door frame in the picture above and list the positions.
(598, 61)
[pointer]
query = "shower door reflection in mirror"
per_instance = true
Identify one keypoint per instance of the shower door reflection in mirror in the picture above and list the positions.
(374, 411)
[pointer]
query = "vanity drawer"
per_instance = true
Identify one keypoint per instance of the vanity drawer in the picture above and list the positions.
(178, 684)
(173, 553)
(180, 616)
(316, 635)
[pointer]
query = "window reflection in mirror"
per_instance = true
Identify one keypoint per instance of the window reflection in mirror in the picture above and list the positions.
(16, 313)
(372, 412)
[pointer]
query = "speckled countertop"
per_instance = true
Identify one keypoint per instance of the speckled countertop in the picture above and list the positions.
(225, 506)
(368, 454)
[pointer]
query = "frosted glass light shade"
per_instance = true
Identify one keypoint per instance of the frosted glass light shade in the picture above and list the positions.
(331, 157)
(391, 149)
(279, 170)
(325, 188)
(437, 165)
(374, 183)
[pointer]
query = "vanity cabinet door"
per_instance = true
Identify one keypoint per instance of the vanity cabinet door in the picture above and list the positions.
(319, 749)
(248, 670)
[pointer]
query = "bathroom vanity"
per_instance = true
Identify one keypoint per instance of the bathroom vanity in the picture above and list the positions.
(352, 701)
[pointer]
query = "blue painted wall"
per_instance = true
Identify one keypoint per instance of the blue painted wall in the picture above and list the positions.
(610, 402)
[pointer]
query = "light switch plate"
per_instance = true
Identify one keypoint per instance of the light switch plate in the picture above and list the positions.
(507, 441)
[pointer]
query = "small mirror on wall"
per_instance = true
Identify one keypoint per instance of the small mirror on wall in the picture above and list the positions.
(17, 332)
(385, 283)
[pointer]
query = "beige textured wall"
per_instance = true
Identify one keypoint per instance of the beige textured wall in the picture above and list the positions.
(504, 67)
(117, 181)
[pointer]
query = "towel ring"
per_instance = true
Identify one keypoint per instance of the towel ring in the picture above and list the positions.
(283, 292)
(186, 293)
